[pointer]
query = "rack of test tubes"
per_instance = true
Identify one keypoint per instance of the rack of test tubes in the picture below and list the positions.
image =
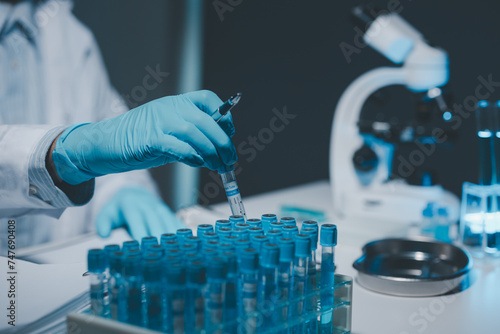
(253, 276)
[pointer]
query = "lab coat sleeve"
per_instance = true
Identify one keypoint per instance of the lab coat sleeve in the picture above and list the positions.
(25, 184)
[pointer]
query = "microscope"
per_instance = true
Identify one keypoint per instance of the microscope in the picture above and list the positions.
(361, 161)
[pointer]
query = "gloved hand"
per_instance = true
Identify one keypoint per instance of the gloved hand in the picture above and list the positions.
(174, 128)
(141, 211)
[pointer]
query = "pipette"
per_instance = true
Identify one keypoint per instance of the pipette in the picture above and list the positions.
(228, 176)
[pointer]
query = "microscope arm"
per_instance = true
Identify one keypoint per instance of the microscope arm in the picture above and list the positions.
(345, 137)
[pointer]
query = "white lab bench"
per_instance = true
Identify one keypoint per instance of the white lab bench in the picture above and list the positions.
(473, 310)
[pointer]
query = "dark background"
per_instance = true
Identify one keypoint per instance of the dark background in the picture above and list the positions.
(286, 53)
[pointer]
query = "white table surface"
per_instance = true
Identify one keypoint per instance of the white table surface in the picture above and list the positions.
(474, 310)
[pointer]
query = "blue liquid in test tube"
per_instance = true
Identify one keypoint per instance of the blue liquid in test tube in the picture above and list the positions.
(118, 306)
(134, 284)
(299, 278)
(195, 283)
(311, 285)
(287, 253)
(176, 279)
(154, 292)
(230, 312)
(267, 289)
(328, 240)
(215, 295)
(249, 269)
(97, 265)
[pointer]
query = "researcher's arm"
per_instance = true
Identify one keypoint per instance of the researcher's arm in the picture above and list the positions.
(176, 128)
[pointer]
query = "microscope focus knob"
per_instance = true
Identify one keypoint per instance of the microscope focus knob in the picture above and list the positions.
(365, 159)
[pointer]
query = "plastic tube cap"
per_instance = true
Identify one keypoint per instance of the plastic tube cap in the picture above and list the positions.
(276, 226)
(287, 249)
(222, 223)
(172, 245)
(288, 221)
(184, 232)
(267, 219)
(158, 249)
(223, 248)
(235, 219)
(204, 228)
(256, 231)
(249, 260)
(328, 236)
(254, 222)
(240, 234)
(110, 249)
(168, 237)
(229, 239)
(96, 260)
(147, 241)
(274, 236)
(189, 248)
(270, 255)
(314, 236)
(130, 244)
(216, 268)
(210, 236)
(241, 226)
(211, 244)
(310, 224)
(290, 231)
(302, 245)
(241, 244)
(258, 240)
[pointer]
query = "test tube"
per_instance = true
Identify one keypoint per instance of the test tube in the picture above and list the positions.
(176, 279)
(311, 285)
(99, 300)
(194, 240)
(226, 248)
(300, 272)
(183, 233)
(171, 245)
(211, 244)
(267, 287)
(117, 293)
(148, 241)
(157, 249)
(233, 193)
(130, 244)
(287, 253)
(230, 311)
(485, 121)
(328, 240)
(496, 140)
(216, 285)
(153, 288)
(195, 283)
(110, 249)
(134, 284)
(224, 232)
(267, 219)
(314, 225)
(240, 233)
(248, 289)
(189, 248)
(257, 241)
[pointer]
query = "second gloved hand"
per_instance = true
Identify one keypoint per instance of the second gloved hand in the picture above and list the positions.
(175, 128)
(141, 211)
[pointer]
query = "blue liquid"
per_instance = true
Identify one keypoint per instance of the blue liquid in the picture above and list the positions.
(249, 302)
(327, 281)
(486, 160)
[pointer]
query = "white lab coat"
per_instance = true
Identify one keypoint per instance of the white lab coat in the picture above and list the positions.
(76, 89)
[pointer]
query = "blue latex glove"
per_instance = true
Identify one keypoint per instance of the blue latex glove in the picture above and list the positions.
(141, 211)
(174, 128)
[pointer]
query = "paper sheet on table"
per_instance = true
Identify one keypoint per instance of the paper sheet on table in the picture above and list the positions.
(41, 289)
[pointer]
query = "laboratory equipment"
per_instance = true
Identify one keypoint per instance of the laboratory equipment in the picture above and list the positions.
(480, 219)
(267, 219)
(276, 226)
(254, 222)
(228, 287)
(235, 219)
(222, 223)
(168, 237)
(485, 135)
(415, 268)
(255, 231)
(204, 228)
(328, 241)
(99, 300)
(361, 159)
(227, 174)
(288, 221)
(183, 233)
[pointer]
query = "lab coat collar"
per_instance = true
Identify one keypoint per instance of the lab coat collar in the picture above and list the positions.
(20, 15)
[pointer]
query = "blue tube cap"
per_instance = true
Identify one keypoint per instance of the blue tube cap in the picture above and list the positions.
(270, 255)
(287, 249)
(288, 221)
(168, 237)
(110, 249)
(314, 236)
(222, 223)
(210, 236)
(302, 245)
(274, 236)
(249, 260)
(159, 249)
(328, 236)
(130, 244)
(235, 219)
(310, 224)
(172, 245)
(276, 226)
(255, 231)
(184, 232)
(254, 222)
(96, 260)
(240, 234)
(290, 231)
(204, 228)
(189, 248)
(147, 241)
(267, 219)
(258, 240)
